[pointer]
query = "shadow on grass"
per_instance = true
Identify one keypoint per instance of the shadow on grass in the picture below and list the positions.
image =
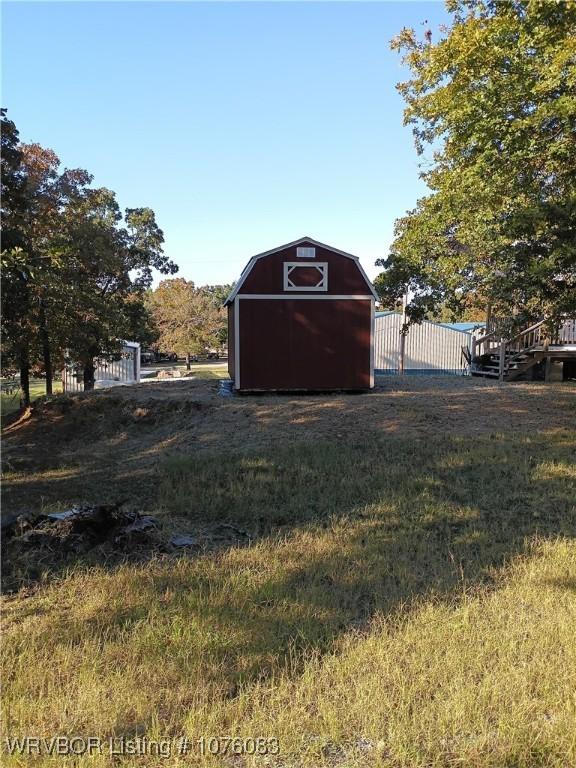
(356, 530)
(340, 532)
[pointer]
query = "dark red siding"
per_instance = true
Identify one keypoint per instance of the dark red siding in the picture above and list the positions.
(304, 343)
(267, 274)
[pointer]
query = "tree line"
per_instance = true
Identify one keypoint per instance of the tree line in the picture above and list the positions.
(77, 272)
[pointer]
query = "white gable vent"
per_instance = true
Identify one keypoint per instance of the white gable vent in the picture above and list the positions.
(306, 253)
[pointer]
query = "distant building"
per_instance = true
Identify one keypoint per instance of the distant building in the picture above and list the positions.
(427, 348)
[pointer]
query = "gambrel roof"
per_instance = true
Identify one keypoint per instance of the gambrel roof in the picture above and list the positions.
(308, 240)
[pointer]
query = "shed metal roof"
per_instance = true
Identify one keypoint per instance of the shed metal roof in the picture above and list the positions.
(462, 327)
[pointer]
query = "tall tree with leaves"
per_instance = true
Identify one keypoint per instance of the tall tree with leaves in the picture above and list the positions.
(493, 103)
(48, 192)
(188, 318)
(109, 258)
(218, 294)
(75, 269)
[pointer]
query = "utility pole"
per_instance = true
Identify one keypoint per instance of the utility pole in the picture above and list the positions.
(403, 335)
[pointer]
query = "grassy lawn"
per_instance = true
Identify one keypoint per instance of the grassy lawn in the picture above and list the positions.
(211, 370)
(404, 593)
(10, 403)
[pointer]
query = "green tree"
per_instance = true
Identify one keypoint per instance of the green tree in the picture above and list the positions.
(219, 294)
(492, 104)
(140, 324)
(188, 318)
(108, 258)
(75, 269)
(47, 194)
(17, 329)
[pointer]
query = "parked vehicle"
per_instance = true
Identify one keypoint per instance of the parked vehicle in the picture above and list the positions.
(213, 354)
(147, 357)
(151, 356)
(170, 357)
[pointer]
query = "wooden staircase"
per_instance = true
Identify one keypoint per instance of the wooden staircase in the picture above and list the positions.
(516, 357)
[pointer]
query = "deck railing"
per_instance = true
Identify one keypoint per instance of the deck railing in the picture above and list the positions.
(509, 351)
(567, 332)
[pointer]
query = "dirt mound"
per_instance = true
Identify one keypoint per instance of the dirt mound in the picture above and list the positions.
(100, 412)
(77, 446)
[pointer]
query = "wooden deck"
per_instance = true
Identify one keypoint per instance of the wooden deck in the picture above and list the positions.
(537, 352)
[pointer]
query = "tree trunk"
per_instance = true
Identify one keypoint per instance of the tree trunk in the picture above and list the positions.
(188, 367)
(46, 348)
(24, 378)
(89, 374)
(488, 317)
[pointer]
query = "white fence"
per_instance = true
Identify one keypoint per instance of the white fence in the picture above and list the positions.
(428, 348)
(111, 370)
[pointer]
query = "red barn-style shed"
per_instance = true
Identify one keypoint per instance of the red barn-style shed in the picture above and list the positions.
(301, 317)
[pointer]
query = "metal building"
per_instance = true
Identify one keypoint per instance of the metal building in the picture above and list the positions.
(428, 348)
(301, 317)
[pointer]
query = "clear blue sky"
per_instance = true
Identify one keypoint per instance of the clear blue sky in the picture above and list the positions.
(243, 125)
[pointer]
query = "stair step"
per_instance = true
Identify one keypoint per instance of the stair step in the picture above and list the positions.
(513, 364)
(496, 358)
(485, 373)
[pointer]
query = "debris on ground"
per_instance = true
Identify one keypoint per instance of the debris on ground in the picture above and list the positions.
(78, 529)
(35, 544)
(169, 373)
(212, 536)
(226, 388)
(137, 530)
(15, 524)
